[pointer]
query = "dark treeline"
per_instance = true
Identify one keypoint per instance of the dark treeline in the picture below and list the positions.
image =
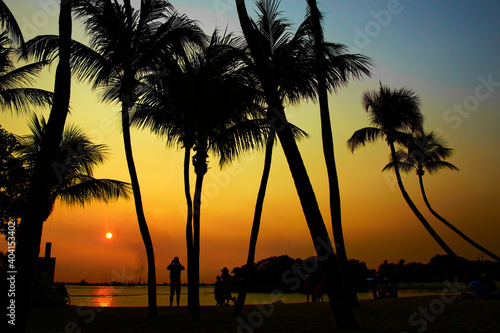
(286, 274)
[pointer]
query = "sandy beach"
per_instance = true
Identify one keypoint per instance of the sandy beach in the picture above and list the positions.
(413, 314)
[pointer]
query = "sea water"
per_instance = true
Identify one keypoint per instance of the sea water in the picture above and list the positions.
(137, 296)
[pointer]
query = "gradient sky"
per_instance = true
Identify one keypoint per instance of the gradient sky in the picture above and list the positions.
(444, 50)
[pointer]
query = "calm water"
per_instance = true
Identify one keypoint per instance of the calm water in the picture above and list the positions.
(121, 296)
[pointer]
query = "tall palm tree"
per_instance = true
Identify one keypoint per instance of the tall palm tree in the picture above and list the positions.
(392, 112)
(38, 198)
(291, 58)
(328, 55)
(126, 44)
(426, 152)
(344, 315)
(8, 22)
(207, 104)
(15, 92)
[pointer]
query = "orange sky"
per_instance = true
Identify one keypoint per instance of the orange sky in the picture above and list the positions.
(377, 223)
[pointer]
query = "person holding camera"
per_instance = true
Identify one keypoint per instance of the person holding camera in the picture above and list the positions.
(175, 269)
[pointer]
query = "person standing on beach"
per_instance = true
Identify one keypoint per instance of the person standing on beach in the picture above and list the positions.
(226, 285)
(175, 269)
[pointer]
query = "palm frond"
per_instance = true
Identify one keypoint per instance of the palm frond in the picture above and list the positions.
(23, 100)
(86, 190)
(434, 166)
(237, 139)
(8, 21)
(404, 162)
(22, 76)
(363, 136)
(272, 25)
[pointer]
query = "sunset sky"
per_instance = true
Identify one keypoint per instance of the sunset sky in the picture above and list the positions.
(446, 51)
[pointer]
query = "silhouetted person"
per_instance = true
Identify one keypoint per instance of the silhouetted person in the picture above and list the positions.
(175, 269)
(318, 292)
(226, 285)
(309, 285)
(219, 291)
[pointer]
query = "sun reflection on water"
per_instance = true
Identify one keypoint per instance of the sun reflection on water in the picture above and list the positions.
(103, 296)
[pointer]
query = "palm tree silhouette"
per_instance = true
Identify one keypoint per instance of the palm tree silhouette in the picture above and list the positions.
(270, 82)
(72, 181)
(392, 112)
(426, 152)
(38, 197)
(208, 104)
(332, 57)
(126, 45)
(15, 94)
(292, 62)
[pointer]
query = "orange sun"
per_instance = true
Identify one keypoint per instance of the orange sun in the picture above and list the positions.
(109, 235)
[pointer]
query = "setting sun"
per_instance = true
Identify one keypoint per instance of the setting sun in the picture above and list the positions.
(109, 235)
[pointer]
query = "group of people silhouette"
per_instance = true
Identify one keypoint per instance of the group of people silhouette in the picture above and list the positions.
(313, 288)
(222, 288)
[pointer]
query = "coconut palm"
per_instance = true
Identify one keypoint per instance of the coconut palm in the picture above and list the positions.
(72, 180)
(392, 112)
(38, 197)
(426, 152)
(15, 92)
(8, 22)
(328, 55)
(270, 82)
(208, 104)
(292, 62)
(126, 44)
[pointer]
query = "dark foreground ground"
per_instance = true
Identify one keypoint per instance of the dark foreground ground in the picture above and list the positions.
(413, 314)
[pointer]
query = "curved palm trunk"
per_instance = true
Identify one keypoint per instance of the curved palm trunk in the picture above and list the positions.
(240, 302)
(414, 209)
(189, 225)
(200, 167)
(451, 226)
(328, 263)
(39, 203)
(141, 219)
(329, 153)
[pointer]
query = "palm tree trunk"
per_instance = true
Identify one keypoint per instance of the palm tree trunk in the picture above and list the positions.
(189, 224)
(451, 226)
(141, 219)
(240, 302)
(329, 265)
(414, 209)
(195, 267)
(39, 202)
(329, 152)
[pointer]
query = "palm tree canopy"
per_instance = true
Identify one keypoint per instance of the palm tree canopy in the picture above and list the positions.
(14, 92)
(293, 58)
(210, 96)
(72, 181)
(426, 151)
(392, 112)
(122, 39)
